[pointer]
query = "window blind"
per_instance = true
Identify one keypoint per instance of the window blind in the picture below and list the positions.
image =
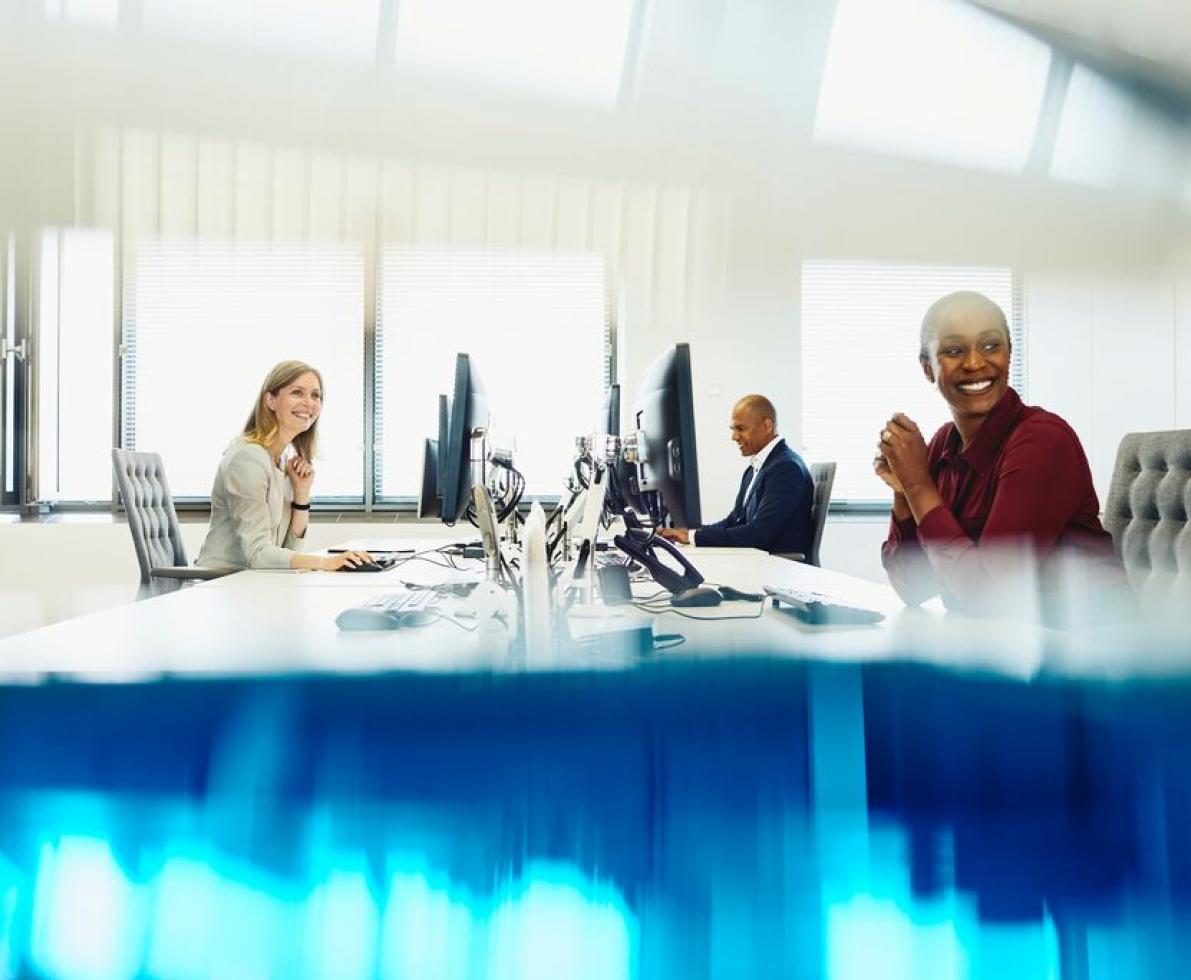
(536, 325)
(204, 321)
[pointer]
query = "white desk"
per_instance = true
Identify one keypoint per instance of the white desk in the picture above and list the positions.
(254, 623)
(423, 566)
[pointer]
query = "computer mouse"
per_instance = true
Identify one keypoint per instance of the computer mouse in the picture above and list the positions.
(365, 618)
(735, 595)
(367, 566)
(416, 617)
(702, 596)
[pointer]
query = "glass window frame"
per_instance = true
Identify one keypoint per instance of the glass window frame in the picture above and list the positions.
(359, 507)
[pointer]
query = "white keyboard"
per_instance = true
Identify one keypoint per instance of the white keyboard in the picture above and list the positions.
(820, 609)
(403, 600)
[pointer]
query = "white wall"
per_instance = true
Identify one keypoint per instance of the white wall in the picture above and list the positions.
(1109, 351)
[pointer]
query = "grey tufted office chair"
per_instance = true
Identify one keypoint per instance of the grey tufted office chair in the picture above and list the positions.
(1147, 515)
(154, 523)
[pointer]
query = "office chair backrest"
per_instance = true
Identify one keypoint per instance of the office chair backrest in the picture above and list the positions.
(1146, 512)
(823, 477)
(150, 509)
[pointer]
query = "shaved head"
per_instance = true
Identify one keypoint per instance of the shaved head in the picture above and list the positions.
(963, 303)
(754, 424)
(758, 405)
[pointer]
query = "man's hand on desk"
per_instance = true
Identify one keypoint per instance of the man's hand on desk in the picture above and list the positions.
(680, 535)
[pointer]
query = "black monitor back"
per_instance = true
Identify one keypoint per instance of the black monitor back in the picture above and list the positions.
(665, 413)
(429, 498)
(469, 411)
(444, 424)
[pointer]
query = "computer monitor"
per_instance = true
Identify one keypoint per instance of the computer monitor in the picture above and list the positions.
(608, 423)
(469, 413)
(430, 487)
(429, 497)
(444, 421)
(668, 472)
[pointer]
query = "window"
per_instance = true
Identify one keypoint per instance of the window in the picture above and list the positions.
(75, 365)
(535, 323)
(203, 324)
(204, 321)
(231, 256)
(860, 336)
(932, 79)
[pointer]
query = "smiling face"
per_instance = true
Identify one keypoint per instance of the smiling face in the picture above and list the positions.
(751, 431)
(296, 405)
(967, 358)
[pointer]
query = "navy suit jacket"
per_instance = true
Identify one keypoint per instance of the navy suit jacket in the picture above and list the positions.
(777, 517)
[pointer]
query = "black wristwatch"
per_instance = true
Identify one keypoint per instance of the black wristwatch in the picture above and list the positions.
(297, 506)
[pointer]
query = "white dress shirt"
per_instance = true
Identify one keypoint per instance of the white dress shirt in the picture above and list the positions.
(756, 462)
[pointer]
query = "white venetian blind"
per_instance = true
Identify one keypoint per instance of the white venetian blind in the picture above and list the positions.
(204, 321)
(860, 337)
(535, 323)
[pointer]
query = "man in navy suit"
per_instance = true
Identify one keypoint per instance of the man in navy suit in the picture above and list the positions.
(773, 507)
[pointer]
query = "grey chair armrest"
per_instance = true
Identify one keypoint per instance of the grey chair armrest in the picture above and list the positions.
(191, 573)
(791, 555)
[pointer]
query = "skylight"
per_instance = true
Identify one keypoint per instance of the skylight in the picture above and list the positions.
(932, 79)
(341, 29)
(572, 50)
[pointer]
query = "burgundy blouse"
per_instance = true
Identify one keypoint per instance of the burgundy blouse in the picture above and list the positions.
(1024, 480)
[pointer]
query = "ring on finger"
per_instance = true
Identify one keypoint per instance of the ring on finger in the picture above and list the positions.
(886, 435)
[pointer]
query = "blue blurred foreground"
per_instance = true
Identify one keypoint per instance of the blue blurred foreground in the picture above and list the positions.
(758, 819)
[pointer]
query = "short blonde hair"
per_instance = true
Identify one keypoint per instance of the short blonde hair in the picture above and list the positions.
(261, 426)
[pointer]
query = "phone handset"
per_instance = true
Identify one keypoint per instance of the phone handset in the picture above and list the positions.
(642, 547)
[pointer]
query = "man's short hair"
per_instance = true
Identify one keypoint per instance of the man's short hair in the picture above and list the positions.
(966, 298)
(760, 406)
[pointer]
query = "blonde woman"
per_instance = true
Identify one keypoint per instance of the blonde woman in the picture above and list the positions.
(259, 509)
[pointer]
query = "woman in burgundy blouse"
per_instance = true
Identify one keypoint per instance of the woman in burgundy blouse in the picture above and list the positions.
(1001, 473)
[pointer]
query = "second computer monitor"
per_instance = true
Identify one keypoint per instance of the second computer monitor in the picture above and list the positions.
(665, 415)
(469, 412)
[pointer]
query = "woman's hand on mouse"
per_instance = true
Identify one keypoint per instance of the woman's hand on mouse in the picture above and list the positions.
(346, 559)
